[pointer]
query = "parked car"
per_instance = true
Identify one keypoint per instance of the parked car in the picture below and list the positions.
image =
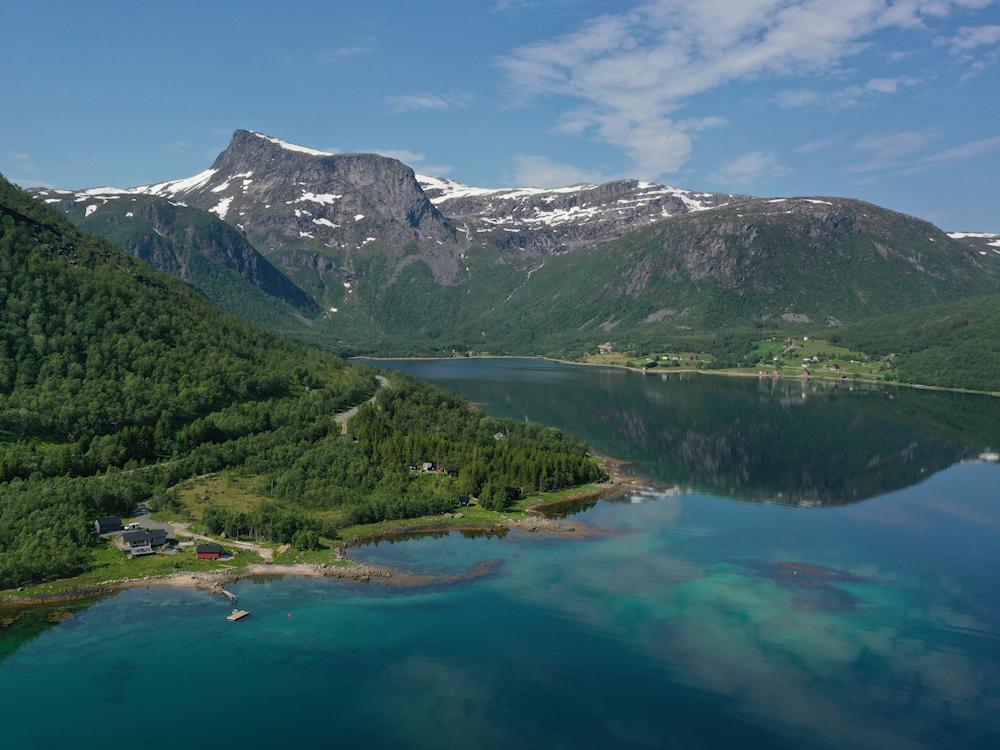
(131, 526)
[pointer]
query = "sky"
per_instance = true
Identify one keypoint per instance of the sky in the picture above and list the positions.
(892, 101)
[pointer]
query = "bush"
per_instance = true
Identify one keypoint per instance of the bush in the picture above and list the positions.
(304, 539)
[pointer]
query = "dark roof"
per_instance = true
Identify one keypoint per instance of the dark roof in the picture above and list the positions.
(109, 520)
(209, 548)
(144, 535)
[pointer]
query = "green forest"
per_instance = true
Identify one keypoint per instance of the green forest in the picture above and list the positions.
(118, 381)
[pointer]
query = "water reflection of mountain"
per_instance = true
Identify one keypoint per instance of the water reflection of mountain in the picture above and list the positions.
(746, 438)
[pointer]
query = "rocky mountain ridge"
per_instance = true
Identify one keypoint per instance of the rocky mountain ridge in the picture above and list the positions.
(545, 221)
(399, 262)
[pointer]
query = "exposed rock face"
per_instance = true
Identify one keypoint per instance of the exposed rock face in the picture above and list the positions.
(550, 221)
(291, 200)
(172, 237)
(396, 259)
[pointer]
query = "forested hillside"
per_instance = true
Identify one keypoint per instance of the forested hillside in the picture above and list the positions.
(117, 381)
(955, 345)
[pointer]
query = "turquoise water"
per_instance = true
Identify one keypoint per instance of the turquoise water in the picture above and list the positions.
(813, 569)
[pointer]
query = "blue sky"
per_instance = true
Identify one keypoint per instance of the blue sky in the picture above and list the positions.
(892, 101)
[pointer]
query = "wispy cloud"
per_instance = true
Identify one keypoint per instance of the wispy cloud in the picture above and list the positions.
(750, 169)
(968, 44)
(629, 73)
(343, 53)
(427, 101)
(909, 152)
(822, 144)
(178, 147)
(885, 151)
(971, 37)
(961, 152)
(849, 96)
(415, 159)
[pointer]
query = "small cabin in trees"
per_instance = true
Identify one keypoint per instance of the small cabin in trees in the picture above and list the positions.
(108, 525)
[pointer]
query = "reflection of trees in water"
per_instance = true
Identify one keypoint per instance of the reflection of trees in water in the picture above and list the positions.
(757, 439)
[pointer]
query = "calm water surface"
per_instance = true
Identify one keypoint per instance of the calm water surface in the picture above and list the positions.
(814, 568)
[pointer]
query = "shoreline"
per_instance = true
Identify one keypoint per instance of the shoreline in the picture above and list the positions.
(687, 371)
(344, 568)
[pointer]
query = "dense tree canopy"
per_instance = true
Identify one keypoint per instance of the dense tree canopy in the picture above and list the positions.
(117, 382)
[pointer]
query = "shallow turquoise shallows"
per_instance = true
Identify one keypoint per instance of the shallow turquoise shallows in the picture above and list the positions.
(811, 567)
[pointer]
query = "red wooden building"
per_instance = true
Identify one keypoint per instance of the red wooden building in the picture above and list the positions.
(209, 551)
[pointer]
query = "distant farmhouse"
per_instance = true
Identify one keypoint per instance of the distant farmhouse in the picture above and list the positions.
(107, 525)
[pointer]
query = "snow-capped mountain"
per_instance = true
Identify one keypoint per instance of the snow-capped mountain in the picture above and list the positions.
(557, 220)
(987, 244)
(286, 196)
(390, 256)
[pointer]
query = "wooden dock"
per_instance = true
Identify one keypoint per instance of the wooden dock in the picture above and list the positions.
(238, 614)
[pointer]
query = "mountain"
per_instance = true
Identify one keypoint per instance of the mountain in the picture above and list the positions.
(542, 221)
(186, 242)
(117, 381)
(313, 212)
(757, 265)
(986, 244)
(402, 263)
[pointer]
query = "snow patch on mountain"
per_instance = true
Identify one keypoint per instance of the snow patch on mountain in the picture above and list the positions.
(173, 187)
(291, 146)
(322, 198)
(222, 207)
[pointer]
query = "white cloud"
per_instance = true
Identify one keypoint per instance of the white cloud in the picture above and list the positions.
(969, 42)
(630, 72)
(971, 37)
(750, 169)
(795, 98)
(427, 101)
(532, 170)
(848, 96)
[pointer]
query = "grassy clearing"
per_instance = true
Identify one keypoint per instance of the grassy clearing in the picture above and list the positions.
(224, 490)
(110, 564)
(793, 355)
(238, 492)
(666, 360)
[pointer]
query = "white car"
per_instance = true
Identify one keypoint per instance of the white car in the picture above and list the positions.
(132, 526)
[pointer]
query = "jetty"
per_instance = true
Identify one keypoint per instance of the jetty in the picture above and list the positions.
(238, 614)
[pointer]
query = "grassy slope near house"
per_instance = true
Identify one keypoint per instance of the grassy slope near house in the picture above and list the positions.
(117, 382)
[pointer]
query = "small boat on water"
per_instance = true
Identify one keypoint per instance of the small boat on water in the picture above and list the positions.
(238, 614)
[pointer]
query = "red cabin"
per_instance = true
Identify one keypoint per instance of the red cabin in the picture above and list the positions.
(209, 551)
